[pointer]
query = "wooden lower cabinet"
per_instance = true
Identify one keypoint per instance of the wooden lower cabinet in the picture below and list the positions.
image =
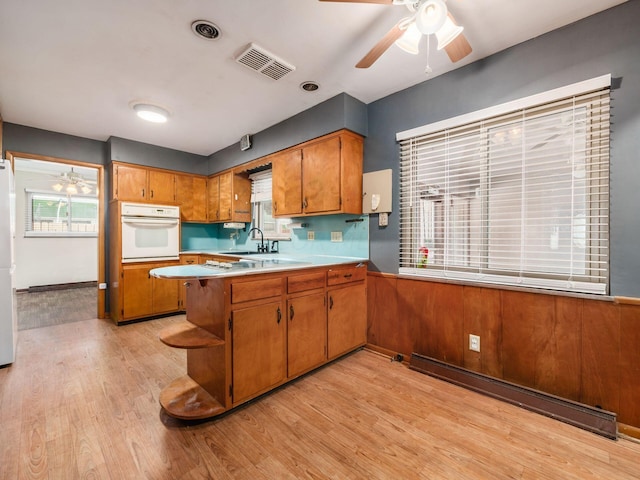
(259, 349)
(140, 295)
(246, 335)
(346, 319)
(306, 333)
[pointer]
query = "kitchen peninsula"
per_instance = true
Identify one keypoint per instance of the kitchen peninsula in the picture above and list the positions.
(256, 322)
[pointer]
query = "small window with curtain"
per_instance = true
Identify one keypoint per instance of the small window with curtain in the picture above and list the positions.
(512, 196)
(60, 215)
(272, 228)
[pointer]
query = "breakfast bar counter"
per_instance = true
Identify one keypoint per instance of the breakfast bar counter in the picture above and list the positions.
(256, 322)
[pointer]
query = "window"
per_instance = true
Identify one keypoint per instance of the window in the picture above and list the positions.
(60, 215)
(512, 196)
(272, 228)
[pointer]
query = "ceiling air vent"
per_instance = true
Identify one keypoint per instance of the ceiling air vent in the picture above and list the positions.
(258, 59)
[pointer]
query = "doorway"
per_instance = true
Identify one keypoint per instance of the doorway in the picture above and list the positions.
(60, 234)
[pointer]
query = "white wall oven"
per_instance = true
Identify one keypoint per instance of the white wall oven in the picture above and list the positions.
(149, 232)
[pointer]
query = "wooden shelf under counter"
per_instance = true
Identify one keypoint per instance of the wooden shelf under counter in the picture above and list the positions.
(184, 398)
(187, 335)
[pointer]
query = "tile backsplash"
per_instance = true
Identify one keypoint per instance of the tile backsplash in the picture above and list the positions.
(354, 230)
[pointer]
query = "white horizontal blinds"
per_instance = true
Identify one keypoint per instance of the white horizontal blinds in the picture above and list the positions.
(519, 198)
(260, 186)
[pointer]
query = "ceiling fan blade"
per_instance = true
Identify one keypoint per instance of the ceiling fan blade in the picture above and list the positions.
(385, 2)
(391, 36)
(459, 47)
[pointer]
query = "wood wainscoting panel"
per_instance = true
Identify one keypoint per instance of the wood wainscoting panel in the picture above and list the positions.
(386, 326)
(483, 317)
(629, 364)
(541, 345)
(437, 317)
(601, 355)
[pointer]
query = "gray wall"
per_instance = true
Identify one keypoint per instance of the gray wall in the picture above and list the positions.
(130, 151)
(605, 43)
(341, 111)
(19, 138)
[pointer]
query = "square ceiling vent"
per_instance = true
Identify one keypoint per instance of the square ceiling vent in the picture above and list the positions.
(260, 60)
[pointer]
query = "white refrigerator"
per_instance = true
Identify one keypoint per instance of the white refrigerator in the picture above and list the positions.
(8, 316)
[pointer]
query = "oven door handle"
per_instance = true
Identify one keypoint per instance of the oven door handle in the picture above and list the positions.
(150, 221)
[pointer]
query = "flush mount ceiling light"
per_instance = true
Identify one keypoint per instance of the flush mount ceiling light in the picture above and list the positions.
(150, 113)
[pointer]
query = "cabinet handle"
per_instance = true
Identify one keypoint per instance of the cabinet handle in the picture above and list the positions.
(279, 315)
(143, 192)
(290, 312)
(275, 206)
(229, 213)
(305, 203)
(189, 262)
(347, 275)
(151, 193)
(330, 302)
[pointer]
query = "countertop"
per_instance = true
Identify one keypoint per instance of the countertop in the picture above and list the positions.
(251, 265)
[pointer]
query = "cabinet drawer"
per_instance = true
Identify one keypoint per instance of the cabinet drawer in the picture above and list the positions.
(308, 281)
(255, 290)
(189, 259)
(345, 275)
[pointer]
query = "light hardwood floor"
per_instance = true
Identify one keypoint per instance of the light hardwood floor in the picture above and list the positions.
(81, 401)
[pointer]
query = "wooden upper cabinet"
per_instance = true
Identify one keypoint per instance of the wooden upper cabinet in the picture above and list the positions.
(323, 176)
(213, 199)
(229, 197)
(129, 183)
(191, 195)
(162, 187)
(225, 192)
(286, 189)
(139, 184)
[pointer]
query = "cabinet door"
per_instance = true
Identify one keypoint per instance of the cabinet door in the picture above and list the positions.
(259, 349)
(213, 199)
(225, 192)
(186, 260)
(165, 295)
(287, 183)
(346, 319)
(137, 292)
(162, 187)
(306, 333)
(321, 176)
(191, 196)
(130, 183)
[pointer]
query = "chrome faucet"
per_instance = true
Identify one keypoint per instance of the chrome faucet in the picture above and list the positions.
(262, 248)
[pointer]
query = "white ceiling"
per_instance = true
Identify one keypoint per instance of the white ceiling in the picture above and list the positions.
(74, 66)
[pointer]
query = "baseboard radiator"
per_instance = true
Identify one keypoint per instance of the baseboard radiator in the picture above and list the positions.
(583, 416)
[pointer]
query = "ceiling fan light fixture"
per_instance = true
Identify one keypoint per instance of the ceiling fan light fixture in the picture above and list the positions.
(431, 16)
(447, 33)
(57, 187)
(410, 39)
(151, 113)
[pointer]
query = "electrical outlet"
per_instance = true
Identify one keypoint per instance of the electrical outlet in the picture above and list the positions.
(311, 235)
(336, 236)
(474, 342)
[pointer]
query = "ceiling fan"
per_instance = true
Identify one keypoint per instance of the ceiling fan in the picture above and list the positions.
(427, 17)
(71, 182)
